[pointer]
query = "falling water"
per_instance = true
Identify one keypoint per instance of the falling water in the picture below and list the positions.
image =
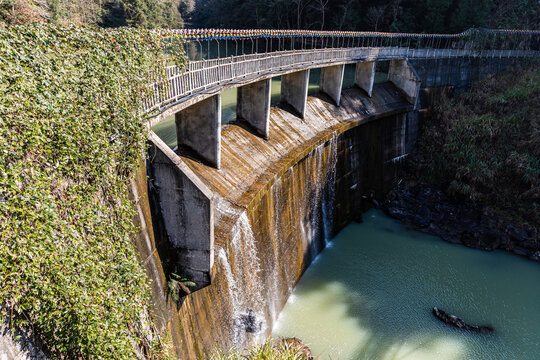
(329, 194)
(241, 267)
(255, 301)
(274, 292)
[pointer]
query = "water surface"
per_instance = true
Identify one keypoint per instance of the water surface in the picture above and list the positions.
(369, 296)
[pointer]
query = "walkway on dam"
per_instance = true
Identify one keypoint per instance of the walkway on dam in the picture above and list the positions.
(303, 50)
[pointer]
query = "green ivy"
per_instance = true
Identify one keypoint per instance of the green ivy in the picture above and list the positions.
(71, 134)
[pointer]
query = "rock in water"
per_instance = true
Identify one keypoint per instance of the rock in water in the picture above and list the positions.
(459, 323)
(250, 322)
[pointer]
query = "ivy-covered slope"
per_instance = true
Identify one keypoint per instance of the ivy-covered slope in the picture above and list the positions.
(70, 135)
(484, 146)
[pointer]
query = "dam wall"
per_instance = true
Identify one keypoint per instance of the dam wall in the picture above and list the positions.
(277, 202)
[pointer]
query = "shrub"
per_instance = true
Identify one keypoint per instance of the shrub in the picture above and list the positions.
(283, 349)
(485, 145)
(71, 133)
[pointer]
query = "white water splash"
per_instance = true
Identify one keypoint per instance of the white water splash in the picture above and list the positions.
(244, 284)
(329, 194)
(399, 158)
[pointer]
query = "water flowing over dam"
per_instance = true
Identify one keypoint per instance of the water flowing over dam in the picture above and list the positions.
(278, 203)
(243, 208)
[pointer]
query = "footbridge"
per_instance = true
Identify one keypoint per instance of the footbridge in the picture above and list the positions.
(254, 187)
(248, 59)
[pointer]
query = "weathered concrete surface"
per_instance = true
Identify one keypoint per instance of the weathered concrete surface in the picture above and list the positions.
(17, 343)
(403, 75)
(458, 72)
(294, 90)
(365, 76)
(332, 82)
(253, 105)
(186, 206)
(198, 127)
(280, 185)
(163, 310)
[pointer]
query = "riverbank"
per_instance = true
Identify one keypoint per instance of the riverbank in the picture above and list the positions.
(474, 225)
(474, 177)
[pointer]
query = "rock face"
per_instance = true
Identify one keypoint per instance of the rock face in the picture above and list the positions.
(17, 343)
(429, 210)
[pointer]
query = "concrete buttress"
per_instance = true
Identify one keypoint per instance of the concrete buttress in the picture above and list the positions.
(253, 105)
(294, 89)
(365, 76)
(198, 127)
(332, 82)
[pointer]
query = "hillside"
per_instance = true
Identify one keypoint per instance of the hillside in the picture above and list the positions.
(108, 13)
(484, 145)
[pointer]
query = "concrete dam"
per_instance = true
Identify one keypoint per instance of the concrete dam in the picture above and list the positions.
(242, 209)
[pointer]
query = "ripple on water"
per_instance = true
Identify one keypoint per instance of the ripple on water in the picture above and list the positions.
(369, 296)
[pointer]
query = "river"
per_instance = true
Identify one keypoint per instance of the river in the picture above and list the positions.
(369, 295)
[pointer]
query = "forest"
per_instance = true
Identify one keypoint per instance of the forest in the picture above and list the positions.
(429, 16)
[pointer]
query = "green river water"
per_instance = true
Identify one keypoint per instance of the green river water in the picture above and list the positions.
(369, 295)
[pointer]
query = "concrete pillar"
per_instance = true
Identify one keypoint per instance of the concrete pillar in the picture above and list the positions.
(332, 81)
(253, 105)
(198, 127)
(186, 207)
(403, 75)
(365, 76)
(294, 89)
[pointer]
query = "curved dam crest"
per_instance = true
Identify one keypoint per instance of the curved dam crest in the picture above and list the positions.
(277, 202)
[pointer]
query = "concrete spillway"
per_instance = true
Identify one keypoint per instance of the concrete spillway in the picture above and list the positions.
(277, 201)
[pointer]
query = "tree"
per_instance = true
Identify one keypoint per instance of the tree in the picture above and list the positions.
(375, 15)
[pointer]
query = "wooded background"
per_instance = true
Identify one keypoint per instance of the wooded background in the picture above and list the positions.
(431, 16)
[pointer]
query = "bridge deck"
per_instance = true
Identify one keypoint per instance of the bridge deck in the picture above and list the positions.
(201, 79)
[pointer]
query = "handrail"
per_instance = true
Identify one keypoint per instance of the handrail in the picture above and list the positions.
(199, 76)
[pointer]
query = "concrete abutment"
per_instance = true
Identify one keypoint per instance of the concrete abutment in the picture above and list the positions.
(294, 90)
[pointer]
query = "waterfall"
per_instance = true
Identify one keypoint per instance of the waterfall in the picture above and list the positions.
(256, 299)
(329, 194)
(274, 291)
(241, 267)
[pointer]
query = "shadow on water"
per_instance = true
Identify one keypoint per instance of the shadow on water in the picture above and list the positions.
(369, 296)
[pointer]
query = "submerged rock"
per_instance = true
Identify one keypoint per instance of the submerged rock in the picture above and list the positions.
(459, 323)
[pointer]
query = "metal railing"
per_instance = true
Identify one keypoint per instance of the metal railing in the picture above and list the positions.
(198, 76)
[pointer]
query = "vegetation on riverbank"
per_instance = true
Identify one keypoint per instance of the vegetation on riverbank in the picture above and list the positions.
(431, 16)
(484, 145)
(283, 349)
(71, 134)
